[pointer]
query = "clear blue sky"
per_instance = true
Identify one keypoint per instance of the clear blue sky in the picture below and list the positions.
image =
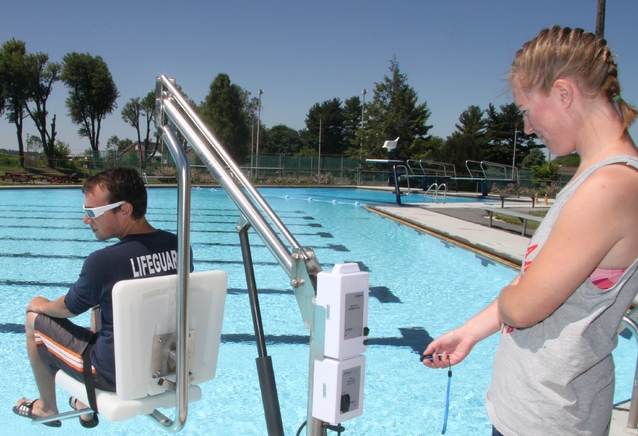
(456, 53)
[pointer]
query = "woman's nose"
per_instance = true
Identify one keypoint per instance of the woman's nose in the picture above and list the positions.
(527, 128)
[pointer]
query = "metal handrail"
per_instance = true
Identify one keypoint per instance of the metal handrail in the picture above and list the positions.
(434, 189)
(482, 164)
(299, 263)
(407, 175)
(183, 272)
(436, 172)
(207, 150)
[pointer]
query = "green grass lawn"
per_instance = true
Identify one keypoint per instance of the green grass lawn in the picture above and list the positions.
(531, 225)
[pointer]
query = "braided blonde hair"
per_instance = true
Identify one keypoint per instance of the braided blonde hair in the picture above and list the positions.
(575, 53)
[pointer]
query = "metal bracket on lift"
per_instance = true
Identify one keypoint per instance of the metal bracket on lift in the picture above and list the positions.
(164, 357)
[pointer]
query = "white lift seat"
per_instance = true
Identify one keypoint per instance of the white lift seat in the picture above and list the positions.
(142, 310)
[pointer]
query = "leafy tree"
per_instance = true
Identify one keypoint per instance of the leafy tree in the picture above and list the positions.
(571, 160)
(395, 112)
(544, 173)
(61, 150)
(131, 115)
(92, 93)
(13, 82)
(113, 143)
(535, 158)
(28, 79)
(34, 143)
(282, 139)
(148, 111)
(2, 96)
(224, 110)
(41, 75)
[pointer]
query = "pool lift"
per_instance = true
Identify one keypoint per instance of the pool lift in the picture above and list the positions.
(170, 381)
(173, 115)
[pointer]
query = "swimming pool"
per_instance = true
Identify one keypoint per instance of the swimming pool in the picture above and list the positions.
(420, 287)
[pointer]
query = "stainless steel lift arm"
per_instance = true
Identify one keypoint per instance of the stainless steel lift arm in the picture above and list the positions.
(173, 113)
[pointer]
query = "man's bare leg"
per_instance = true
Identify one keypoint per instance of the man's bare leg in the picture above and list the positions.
(45, 382)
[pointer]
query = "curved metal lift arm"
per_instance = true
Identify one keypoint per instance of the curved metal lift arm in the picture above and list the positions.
(173, 113)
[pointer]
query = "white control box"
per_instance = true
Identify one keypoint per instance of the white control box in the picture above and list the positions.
(344, 294)
(338, 389)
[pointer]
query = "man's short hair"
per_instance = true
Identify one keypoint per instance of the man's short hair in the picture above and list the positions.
(122, 184)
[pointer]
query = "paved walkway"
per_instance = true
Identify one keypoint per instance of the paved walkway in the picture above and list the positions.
(467, 224)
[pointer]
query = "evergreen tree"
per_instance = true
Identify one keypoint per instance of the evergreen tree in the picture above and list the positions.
(535, 158)
(395, 112)
(225, 112)
(471, 122)
(503, 129)
(328, 118)
(459, 148)
(352, 124)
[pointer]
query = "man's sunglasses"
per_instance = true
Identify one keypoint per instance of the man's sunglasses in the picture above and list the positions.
(94, 212)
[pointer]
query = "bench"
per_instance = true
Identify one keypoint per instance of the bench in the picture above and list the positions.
(56, 178)
(19, 177)
(524, 217)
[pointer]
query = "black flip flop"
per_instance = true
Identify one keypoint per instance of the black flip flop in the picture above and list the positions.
(86, 424)
(25, 409)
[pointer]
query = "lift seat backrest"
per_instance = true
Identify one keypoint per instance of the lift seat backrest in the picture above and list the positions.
(142, 310)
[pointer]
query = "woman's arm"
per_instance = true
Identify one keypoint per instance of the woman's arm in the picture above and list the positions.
(596, 228)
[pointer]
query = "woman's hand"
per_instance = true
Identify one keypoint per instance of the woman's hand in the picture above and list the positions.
(449, 349)
(454, 346)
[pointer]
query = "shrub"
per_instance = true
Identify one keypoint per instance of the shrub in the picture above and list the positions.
(169, 172)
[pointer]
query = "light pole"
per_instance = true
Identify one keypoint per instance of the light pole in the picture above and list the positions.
(363, 111)
(252, 143)
(258, 124)
(319, 161)
(514, 154)
(600, 19)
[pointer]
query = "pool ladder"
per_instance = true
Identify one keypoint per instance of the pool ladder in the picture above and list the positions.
(433, 190)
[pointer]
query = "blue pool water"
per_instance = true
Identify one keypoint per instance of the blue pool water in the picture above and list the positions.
(420, 287)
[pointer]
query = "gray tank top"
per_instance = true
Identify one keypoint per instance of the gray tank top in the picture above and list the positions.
(557, 377)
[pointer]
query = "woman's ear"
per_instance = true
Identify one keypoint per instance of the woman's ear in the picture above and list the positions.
(565, 91)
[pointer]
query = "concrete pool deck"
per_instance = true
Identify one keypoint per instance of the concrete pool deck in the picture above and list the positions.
(467, 225)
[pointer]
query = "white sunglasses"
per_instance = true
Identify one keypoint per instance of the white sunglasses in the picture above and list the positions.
(95, 212)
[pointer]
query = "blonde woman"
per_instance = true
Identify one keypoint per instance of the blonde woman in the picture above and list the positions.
(553, 370)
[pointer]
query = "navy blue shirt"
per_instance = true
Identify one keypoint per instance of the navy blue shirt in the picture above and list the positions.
(135, 256)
